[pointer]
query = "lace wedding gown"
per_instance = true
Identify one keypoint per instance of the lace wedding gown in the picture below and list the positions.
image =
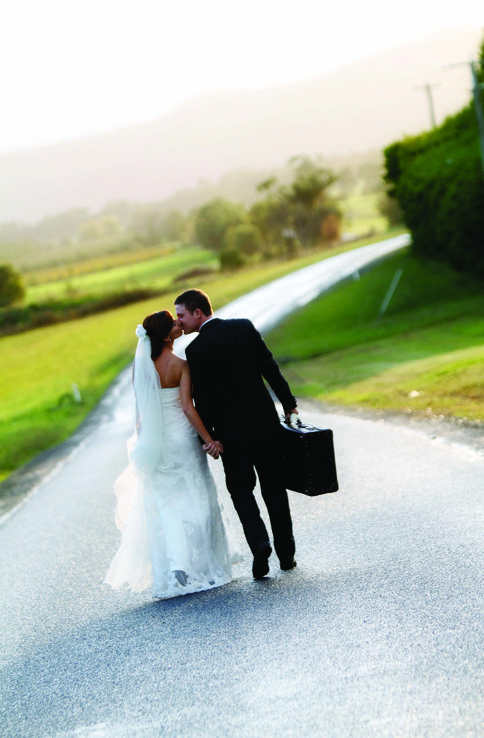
(174, 539)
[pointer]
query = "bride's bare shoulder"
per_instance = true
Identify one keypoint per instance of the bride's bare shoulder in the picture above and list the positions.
(183, 365)
(178, 365)
(178, 361)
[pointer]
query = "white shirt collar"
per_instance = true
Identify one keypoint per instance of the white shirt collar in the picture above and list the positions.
(207, 321)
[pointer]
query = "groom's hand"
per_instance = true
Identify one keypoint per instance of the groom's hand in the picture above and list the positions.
(213, 449)
(289, 413)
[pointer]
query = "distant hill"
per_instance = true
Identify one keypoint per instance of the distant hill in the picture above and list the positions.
(358, 107)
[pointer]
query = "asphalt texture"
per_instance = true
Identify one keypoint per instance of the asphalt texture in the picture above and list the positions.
(377, 632)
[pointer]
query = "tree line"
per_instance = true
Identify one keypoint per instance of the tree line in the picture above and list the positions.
(297, 203)
(287, 219)
(299, 209)
(284, 219)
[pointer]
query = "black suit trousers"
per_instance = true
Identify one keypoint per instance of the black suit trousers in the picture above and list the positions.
(240, 466)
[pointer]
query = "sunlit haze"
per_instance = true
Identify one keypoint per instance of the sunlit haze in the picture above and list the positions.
(74, 68)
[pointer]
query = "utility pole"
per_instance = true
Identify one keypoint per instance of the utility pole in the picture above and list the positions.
(428, 89)
(476, 91)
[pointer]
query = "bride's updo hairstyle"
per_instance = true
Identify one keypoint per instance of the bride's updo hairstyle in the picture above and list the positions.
(158, 326)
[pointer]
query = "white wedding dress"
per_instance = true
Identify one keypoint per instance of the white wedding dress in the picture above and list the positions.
(173, 537)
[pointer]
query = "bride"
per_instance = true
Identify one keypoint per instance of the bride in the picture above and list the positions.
(173, 539)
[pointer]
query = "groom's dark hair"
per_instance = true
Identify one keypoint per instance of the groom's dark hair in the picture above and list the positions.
(195, 300)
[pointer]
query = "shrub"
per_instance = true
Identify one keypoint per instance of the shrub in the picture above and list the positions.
(213, 220)
(231, 260)
(245, 238)
(438, 180)
(11, 285)
(24, 318)
(331, 227)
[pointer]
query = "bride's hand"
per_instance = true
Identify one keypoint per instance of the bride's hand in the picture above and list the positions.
(213, 449)
(218, 449)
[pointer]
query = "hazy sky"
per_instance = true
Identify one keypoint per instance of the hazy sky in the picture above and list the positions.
(74, 67)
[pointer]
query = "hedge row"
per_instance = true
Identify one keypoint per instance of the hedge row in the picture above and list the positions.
(438, 180)
(24, 318)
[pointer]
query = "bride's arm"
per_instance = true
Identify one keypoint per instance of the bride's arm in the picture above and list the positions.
(214, 447)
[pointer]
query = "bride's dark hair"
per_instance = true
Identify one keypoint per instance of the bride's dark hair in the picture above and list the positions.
(158, 326)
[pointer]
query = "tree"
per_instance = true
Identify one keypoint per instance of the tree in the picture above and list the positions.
(266, 185)
(308, 195)
(173, 225)
(271, 216)
(306, 190)
(245, 238)
(11, 285)
(330, 227)
(14, 232)
(390, 208)
(63, 225)
(310, 186)
(293, 215)
(104, 225)
(146, 225)
(291, 242)
(122, 209)
(214, 218)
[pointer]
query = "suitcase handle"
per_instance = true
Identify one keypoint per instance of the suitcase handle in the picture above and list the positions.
(289, 422)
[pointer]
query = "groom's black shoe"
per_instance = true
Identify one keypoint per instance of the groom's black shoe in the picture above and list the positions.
(260, 565)
(288, 564)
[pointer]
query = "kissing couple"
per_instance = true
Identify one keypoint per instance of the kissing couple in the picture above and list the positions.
(216, 402)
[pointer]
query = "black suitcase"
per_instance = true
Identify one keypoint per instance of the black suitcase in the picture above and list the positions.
(308, 458)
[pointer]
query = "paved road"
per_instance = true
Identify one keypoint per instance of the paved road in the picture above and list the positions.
(378, 632)
(267, 305)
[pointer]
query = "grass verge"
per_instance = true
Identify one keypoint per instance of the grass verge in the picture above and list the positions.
(423, 356)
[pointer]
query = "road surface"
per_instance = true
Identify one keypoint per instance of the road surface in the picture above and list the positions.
(377, 632)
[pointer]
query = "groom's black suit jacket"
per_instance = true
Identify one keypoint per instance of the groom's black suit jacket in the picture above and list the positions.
(228, 361)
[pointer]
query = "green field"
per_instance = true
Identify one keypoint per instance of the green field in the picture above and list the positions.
(39, 367)
(158, 272)
(66, 271)
(424, 355)
(361, 214)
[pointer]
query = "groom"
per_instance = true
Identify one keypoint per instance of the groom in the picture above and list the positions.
(228, 361)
